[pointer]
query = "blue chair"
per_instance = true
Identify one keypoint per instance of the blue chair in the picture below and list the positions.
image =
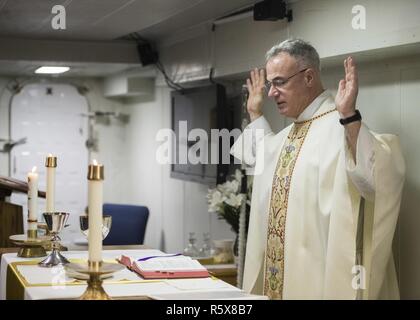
(128, 224)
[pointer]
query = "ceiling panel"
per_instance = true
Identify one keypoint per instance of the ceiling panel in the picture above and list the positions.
(109, 19)
(99, 20)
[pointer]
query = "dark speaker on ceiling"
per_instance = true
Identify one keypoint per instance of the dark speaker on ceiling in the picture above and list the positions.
(147, 54)
(271, 10)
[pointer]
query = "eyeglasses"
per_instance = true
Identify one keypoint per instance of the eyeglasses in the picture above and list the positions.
(277, 83)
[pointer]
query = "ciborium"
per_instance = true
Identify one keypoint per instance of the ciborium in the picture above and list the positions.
(55, 223)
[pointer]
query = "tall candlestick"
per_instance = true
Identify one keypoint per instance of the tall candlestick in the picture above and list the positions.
(95, 196)
(51, 164)
(32, 199)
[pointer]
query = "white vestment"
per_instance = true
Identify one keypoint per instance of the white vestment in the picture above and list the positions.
(328, 194)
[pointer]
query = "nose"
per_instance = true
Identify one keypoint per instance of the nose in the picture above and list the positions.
(273, 92)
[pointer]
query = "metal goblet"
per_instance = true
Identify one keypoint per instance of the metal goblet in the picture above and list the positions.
(55, 223)
(106, 225)
(84, 227)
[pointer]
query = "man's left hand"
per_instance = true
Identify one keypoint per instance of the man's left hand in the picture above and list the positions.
(348, 88)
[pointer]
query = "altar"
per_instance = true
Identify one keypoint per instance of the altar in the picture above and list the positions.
(22, 278)
(94, 273)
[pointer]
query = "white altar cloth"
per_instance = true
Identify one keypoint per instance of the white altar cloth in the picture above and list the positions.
(53, 283)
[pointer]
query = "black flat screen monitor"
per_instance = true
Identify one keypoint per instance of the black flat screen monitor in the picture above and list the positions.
(198, 108)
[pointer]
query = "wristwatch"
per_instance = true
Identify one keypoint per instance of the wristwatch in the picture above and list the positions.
(348, 120)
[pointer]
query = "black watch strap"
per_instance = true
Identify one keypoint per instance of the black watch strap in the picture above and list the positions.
(348, 120)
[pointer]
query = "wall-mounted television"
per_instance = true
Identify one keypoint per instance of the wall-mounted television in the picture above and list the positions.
(198, 108)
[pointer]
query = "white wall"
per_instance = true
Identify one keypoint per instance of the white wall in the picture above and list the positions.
(237, 46)
(4, 123)
(112, 153)
(177, 207)
(132, 175)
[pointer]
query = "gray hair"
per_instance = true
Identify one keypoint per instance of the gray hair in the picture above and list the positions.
(304, 53)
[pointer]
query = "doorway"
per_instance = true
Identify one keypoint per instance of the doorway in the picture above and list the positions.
(50, 117)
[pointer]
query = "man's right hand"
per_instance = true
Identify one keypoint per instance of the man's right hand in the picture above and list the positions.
(256, 89)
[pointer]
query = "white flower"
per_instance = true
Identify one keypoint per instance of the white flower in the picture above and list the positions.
(229, 187)
(223, 188)
(227, 194)
(210, 193)
(215, 200)
(234, 200)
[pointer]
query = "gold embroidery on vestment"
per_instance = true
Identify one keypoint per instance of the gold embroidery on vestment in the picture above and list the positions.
(274, 257)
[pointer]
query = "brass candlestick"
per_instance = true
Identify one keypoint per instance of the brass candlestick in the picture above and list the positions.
(95, 270)
(31, 246)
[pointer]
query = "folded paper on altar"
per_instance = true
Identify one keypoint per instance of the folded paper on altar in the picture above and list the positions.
(165, 267)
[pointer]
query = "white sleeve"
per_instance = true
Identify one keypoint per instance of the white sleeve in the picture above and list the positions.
(362, 172)
(245, 147)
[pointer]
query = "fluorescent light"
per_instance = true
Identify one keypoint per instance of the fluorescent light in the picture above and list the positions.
(51, 70)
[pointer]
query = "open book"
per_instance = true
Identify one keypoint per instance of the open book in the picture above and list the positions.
(165, 267)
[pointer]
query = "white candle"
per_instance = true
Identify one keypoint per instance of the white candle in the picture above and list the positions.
(32, 198)
(51, 164)
(95, 196)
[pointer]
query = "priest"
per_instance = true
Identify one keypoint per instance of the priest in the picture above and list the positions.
(326, 199)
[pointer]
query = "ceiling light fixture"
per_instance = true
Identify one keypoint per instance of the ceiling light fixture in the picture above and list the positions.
(51, 70)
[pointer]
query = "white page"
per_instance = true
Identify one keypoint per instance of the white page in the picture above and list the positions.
(199, 284)
(178, 263)
(208, 295)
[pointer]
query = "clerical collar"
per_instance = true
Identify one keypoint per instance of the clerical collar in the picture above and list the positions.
(310, 110)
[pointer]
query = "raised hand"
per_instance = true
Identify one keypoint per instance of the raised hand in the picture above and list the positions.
(256, 89)
(348, 88)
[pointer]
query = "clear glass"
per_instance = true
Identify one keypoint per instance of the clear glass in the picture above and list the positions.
(206, 250)
(223, 251)
(106, 225)
(191, 249)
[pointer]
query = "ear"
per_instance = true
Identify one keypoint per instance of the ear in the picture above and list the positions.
(310, 77)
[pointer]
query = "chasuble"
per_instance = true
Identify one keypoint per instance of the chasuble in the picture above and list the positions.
(321, 224)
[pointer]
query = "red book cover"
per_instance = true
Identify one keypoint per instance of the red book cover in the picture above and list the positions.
(171, 267)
